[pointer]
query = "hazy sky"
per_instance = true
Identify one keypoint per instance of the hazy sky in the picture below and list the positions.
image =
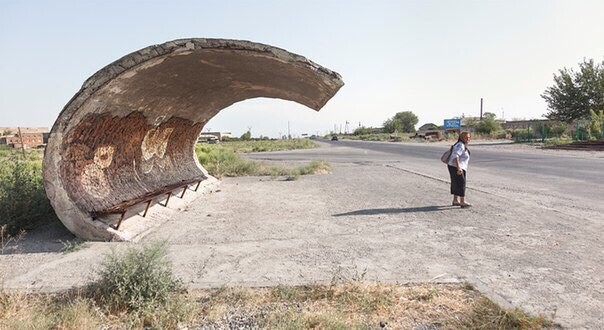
(435, 58)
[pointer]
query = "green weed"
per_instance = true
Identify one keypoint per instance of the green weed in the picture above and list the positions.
(23, 201)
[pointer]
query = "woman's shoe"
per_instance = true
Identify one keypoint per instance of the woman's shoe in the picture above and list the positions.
(456, 204)
(465, 205)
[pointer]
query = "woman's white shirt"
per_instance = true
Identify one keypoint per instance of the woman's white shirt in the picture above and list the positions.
(459, 150)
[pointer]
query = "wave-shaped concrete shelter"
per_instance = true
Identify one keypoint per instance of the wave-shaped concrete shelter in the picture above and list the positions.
(127, 138)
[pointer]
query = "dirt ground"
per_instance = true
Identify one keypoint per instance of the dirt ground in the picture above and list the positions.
(377, 215)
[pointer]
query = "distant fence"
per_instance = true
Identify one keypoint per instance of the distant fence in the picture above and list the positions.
(540, 132)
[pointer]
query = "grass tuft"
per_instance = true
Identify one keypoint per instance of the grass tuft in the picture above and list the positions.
(468, 286)
(485, 314)
(73, 245)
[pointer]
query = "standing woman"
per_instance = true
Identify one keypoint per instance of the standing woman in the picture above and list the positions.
(458, 165)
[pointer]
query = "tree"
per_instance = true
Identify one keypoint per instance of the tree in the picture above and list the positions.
(575, 93)
(488, 124)
(489, 115)
(470, 122)
(246, 136)
(596, 123)
(401, 122)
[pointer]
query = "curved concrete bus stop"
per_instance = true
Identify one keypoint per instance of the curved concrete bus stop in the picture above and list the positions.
(125, 141)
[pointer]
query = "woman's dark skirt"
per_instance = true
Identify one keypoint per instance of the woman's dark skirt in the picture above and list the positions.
(458, 182)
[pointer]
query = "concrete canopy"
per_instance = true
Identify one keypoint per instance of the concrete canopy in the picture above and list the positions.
(130, 132)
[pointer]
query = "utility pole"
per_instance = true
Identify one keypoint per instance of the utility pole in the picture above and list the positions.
(288, 132)
(481, 108)
(21, 138)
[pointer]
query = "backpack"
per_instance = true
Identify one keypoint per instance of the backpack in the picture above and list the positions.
(447, 155)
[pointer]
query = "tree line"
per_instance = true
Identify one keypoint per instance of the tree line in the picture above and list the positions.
(578, 94)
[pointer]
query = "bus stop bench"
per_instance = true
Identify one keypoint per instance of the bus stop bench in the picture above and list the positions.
(122, 208)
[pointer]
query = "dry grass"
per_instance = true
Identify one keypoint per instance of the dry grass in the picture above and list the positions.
(22, 311)
(360, 306)
(352, 305)
(268, 145)
(80, 310)
(221, 161)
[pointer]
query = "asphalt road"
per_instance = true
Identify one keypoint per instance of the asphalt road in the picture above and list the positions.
(575, 177)
(560, 165)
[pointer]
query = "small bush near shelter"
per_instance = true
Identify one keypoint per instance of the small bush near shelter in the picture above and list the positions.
(23, 201)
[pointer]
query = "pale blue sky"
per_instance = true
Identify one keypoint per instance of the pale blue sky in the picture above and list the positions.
(435, 58)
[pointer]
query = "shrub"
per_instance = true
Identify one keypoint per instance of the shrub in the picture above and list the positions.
(136, 290)
(452, 136)
(501, 134)
(23, 201)
(138, 280)
(220, 162)
(521, 134)
(314, 167)
(487, 126)
(558, 129)
(362, 131)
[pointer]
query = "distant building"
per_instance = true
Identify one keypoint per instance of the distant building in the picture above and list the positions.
(429, 131)
(29, 140)
(525, 124)
(428, 127)
(207, 136)
(8, 131)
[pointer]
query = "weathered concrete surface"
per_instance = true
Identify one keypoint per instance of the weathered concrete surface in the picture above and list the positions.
(131, 129)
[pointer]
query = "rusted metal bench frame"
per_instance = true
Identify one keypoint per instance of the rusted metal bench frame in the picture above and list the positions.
(122, 208)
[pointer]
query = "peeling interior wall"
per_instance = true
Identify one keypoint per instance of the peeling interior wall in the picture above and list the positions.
(131, 130)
